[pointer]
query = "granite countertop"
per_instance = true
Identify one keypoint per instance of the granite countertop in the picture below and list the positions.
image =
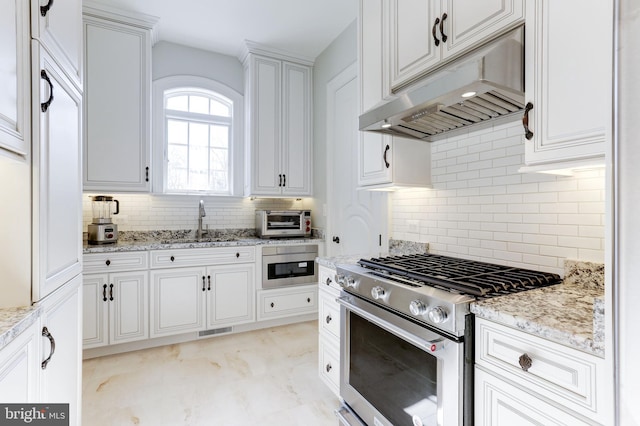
(14, 321)
(396, 248)
(160, 240)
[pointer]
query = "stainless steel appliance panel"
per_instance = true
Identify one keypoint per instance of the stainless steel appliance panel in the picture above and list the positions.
(283, 223)
(289, 265)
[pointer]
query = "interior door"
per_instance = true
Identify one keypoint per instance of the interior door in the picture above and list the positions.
(357, 220)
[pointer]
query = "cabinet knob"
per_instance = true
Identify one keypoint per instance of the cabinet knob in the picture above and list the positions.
(308, 300)
(237, 255)
(328, 319)
(328, 367)
(272, 304)
(336, 240)
(328, 281)
(525, 362)
(108, 262)
(172, 258)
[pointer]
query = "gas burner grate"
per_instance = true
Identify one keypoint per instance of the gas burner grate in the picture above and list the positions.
(465, 276)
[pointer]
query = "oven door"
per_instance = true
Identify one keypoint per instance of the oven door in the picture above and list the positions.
(396, 372)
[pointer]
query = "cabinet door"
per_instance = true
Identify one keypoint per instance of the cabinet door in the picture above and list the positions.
(372, 53)
(264, 125)
(498, 403)
(231, 299)
(58, 27)
(571, 93)
(471, 22)
(296, 130)
(19, 368)
(57, 183)
(412, 47)
(61, 375)
(14, 74)
(117, 113)
(374, 165)
(177, 301)
(95, 313)
(128, 307)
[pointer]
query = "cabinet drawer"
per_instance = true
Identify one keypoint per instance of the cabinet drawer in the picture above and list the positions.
(112, 262)
(329, 364)
(287, 302)
(564, 375)
(203, 256)
(326, 277)
(329, 315)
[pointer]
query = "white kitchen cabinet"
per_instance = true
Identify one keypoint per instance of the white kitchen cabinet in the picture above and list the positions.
(423, 35)
(61, 374)
(384, 161)
(57, 181)
(521, 376)
(15, 108)
(117, 143)
(570, 94)
(230, 295)
(278, 92)
(58, 28)
(287, 301)
(329, 329)
(20, 369)
(115, 308)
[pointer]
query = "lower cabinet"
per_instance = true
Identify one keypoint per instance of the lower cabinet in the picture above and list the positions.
(285, 302)
(61, 348)
(193, 299)
(115, 308)
(19, 368)
(329, 330)
(523, 379)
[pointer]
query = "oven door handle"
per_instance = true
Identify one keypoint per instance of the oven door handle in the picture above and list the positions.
(432, 345)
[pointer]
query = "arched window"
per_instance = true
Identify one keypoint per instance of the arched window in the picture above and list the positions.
(199, 141)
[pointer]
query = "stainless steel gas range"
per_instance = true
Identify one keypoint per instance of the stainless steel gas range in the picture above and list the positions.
(407, 336)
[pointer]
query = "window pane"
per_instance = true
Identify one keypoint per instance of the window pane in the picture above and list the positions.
(219, 182)
(199, 134)
(218, 108)
(178, 103)
(219, 159)
(219, 136)
(177, 132)
(199, 104)
(178, 156)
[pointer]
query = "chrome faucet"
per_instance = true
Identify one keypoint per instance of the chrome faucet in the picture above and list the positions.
(201, 213)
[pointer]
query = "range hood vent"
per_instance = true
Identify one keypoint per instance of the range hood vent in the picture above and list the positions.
(485, 84)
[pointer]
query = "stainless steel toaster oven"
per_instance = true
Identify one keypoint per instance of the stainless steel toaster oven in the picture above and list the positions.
(283, 223)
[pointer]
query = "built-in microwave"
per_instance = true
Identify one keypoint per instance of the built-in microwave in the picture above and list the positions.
(283, 223)
(289, 265)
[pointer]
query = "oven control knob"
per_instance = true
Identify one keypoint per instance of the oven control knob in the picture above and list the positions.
(377, 292)
(351, 282)
(340, 279)
(438, 315)
(417, 308)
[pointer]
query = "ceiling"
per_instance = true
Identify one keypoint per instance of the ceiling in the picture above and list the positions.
(303, 27)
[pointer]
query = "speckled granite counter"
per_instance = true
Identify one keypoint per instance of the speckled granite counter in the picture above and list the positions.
(571, 313)
(159, 240)
(14, 321)
(396, 247)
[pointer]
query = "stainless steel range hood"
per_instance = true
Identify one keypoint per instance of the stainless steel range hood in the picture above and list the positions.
(482, 85)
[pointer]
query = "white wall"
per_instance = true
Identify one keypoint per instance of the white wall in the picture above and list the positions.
(481, 208)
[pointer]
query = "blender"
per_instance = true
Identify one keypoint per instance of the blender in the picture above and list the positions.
(102, 230)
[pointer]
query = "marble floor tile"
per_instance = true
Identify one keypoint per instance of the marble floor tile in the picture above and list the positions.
(266, 377)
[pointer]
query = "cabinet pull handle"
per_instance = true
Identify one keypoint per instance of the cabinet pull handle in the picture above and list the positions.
(280, 181)
(525, 121)
(209, 282)
(111, 292)
(104, 293)
(45, 105)
(384, 156)
(328, 367)
(328, 281)
(204, 288)
(442, 34)
(45, 333)
(433, 32)
(146, 174)
(284, 180)
(44, 9)
(336, 240)
(172, 258)
(525, 362)
(328, 319)
(108, 262)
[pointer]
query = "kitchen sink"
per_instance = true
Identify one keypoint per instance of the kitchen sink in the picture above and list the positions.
(200, 240)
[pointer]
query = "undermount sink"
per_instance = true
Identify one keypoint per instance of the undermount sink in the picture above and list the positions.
(198, 240)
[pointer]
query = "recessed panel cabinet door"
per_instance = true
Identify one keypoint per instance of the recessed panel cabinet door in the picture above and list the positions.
(231, 299)
(57, 181)
(95, 315)
(14, 75)
(128, 314)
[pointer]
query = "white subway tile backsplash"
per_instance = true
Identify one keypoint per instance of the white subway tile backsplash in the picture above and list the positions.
(481, 207)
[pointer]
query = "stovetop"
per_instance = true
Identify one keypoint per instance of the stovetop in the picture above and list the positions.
(433, 289)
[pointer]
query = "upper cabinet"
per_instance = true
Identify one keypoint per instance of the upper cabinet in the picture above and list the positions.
(57, 26)
(117, 139)
(568, 95)
(14, 74)
(423, 35)
(278, 91)
(384, 162)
